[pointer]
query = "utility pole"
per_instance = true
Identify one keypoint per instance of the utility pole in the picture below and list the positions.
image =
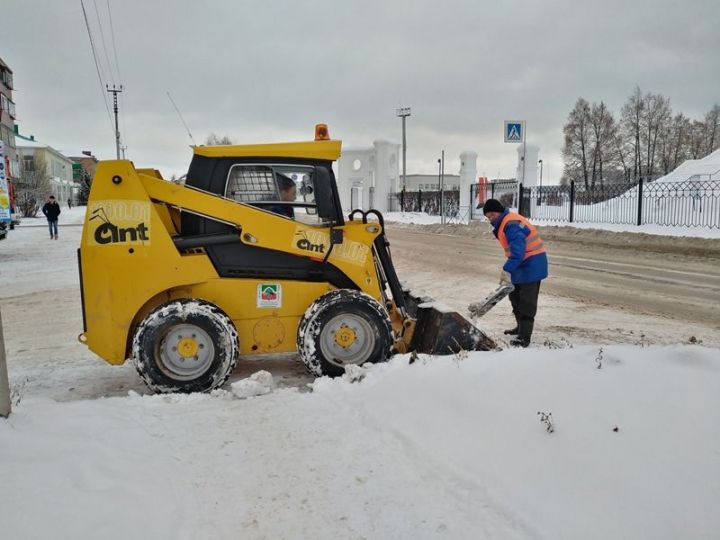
(403, 112)
(115, 91)
(442, 187)
(5, 406)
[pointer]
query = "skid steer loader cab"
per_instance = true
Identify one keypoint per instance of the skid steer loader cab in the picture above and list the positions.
(252, 255)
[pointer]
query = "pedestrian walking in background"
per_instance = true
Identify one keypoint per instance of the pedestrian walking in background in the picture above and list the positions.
(526, 265)
(51, 209)
(69, 202)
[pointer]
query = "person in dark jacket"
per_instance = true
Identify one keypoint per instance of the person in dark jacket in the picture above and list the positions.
(288, 193)
(51, 209)
(526, 265)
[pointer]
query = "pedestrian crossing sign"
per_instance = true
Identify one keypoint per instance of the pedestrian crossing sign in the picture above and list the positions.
(514, 131)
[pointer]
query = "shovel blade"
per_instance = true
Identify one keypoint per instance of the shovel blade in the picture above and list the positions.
(440, 330)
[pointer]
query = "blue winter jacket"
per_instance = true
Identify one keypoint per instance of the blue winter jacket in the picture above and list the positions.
(533, 268)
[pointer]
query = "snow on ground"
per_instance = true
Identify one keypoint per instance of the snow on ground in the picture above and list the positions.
(441, 448)
(692, 232)
(421, 218)
(416, 218)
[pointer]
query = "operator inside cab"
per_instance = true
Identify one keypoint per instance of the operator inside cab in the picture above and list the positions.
(287, 190)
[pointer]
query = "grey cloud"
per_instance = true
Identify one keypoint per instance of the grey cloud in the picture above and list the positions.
(270, 70)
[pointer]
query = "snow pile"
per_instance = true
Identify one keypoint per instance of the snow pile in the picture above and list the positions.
(707, 168)
(440, 448)
(257, 384)
(417, 218)
(657, 230)
(354, 373)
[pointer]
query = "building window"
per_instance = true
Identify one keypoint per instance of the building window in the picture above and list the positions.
(7, 78)
(29, 163)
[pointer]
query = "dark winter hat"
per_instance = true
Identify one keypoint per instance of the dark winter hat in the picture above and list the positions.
(493, 205)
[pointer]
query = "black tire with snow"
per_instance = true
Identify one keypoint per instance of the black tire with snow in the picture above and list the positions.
(205, 335)
(343, 313)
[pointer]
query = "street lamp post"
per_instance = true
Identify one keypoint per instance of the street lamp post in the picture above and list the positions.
(403, 112)
(540, 190)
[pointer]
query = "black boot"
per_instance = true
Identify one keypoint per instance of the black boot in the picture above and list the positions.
(519, 342)
(525, 329)
(511, 331)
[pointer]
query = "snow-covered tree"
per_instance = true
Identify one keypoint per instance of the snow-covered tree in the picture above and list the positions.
(85, 184)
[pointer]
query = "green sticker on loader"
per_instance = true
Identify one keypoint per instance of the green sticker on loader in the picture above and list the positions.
(269, 295)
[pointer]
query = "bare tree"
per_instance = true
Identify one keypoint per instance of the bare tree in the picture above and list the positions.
(695, 142)
(603, 133)
(591, 145)
(712, 125)
(631, 116)
(576, 151)
(657, 115)
(672, 143)
(647, 141)
(214, 140)
(33, 185)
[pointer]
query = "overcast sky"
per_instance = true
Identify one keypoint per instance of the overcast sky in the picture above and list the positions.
(268, 71)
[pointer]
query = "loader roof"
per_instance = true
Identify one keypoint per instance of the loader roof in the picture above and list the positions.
(324, 150)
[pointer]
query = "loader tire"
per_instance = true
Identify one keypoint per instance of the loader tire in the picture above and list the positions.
(343, 327)
(185, 346)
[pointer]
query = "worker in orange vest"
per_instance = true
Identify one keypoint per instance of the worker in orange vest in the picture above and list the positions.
(526, 265)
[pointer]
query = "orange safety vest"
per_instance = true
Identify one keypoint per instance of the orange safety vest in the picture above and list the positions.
(533, 242)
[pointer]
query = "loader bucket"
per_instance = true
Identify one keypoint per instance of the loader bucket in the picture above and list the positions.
(440, 330)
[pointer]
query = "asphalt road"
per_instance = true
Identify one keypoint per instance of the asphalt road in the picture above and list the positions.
(664, 283)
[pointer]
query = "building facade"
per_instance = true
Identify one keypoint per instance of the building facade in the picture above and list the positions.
(7, 121)
(85, 162)
(59, 169)
(431, 182)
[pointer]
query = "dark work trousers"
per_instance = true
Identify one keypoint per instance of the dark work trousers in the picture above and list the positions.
(524, 301)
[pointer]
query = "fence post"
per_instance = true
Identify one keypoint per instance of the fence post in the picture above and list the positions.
(640, 201)
(5, 406)
(572, 200)
(402, 200)
(492, 190)
(420, 200)
(520, 199)
(472, 204)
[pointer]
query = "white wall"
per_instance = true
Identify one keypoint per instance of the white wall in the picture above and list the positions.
(355, 170)
(371, 173)
(530, 177)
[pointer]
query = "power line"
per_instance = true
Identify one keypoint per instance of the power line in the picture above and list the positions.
(97, 66)
(117, 69)
(112, 34)
(102, 40)
(181, 118)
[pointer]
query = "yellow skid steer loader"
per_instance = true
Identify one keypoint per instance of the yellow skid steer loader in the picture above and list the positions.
(251, 255)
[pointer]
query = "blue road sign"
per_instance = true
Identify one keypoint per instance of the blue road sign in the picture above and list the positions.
(514, 131)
